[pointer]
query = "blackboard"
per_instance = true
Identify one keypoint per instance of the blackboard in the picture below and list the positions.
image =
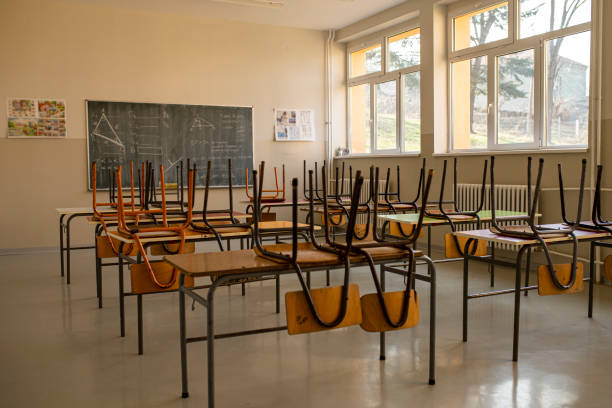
(122, 132)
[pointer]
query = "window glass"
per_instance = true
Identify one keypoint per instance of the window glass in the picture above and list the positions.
(366, 61)
(404, 50)
(386, 116)
(412, 111)
(515, 94)
(567, 89)
(541, 16)
(359, 98)
(469, 103)
(481, 27)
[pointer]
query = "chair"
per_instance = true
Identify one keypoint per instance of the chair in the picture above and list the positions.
(550, 275)
(319, 309)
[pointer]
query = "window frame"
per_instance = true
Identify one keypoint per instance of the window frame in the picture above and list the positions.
(376, 78)
(492, 51)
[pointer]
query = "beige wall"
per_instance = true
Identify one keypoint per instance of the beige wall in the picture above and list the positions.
(77, 52)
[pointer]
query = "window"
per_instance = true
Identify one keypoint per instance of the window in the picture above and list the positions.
(359, 99)
(515, 76)
(384, 114)
(405, 49)
(469, 103)
(411, 111)
(366, 61)
(520, 82)
(481, 27)
(536, 15)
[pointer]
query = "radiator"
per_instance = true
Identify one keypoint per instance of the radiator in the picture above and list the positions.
(507, 197)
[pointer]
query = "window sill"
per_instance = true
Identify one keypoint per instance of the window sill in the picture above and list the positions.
(376, 155)
(507, 152)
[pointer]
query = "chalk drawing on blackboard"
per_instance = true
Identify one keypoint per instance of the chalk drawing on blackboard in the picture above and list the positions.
(104, 130)
(199, 123)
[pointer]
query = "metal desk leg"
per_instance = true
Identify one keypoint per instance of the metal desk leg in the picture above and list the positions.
(68, 249)
(432, 320)
(121, 297)
(591, 278)
(466, 260)
(492, 264)
(428, 240)
(98, 267)
(277, 293)
(61, 237)
(527, 270)
(382, 334)
(183, 328)
(140, 334)
(517, 304)
(210, 342)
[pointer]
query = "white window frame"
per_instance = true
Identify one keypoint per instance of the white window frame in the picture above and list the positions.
(491, 51)
(376, 78)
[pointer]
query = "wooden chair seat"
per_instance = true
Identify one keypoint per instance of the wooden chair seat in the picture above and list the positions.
(142, 282)
(374, 319)
(104, 249)
(453, 252)
(547, 287)
(608, 267)
(158, 249)
(327, 303)
(387, 252)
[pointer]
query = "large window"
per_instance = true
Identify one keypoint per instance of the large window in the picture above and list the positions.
(520, 73)
(384, 93)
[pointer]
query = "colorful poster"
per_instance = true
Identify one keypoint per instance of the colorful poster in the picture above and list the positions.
(22, 127)
(51, 109)
(32, 118)
(293, 125)
(21, 108)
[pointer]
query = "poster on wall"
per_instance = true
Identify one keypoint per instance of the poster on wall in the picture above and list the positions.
(32, 118)
(294, 125)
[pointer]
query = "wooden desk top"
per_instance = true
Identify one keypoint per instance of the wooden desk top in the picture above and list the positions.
(190, 235)
(286, 203)
(226, 262)
(247, 261)
(171, 217)
(488, 236)
(412, 218)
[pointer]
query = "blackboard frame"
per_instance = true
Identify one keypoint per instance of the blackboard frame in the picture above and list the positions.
(198, 187)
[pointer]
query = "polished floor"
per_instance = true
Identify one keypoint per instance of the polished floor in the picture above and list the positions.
(57, 349)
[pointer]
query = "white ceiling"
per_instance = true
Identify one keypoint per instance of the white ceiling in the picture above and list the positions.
(313, 14)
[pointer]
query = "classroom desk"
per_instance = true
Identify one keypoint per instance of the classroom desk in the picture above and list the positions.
(267, 228)
(522, 245)
(429, 222)
(246, 264)
(72, 213)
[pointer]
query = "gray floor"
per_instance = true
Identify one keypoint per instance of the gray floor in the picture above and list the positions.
(57, 349)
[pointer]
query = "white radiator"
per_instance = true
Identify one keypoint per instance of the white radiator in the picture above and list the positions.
(507, 197)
